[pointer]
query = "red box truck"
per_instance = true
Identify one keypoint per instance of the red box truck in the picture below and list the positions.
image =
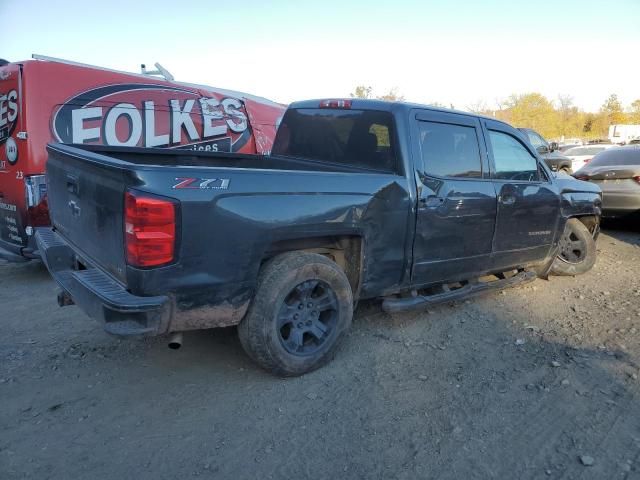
(44, 100)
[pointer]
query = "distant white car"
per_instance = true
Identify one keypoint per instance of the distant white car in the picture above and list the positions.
(567, 143)
(623, 134)
(580, 156)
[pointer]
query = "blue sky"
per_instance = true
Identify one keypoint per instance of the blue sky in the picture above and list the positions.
(453, 52)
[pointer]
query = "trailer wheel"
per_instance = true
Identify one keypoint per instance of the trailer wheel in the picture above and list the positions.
(577, 253)
(303, 304)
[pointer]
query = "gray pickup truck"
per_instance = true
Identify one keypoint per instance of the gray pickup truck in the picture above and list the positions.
(359, 199)
(548, 151)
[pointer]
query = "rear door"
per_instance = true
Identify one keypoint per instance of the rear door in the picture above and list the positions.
(13, 158)
(528, 202)
(456, 200)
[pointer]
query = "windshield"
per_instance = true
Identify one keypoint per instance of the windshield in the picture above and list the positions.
(360, 138)
(617, 156)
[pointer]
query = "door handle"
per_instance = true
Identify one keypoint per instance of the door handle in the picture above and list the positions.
(507, 199)
(432, 201)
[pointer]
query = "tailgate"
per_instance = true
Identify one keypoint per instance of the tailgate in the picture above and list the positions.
(86, 204)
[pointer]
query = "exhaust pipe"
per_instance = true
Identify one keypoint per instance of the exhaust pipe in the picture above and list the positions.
(175, 342)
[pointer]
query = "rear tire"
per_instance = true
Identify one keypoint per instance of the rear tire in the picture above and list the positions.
(303, 304)
(577, 253)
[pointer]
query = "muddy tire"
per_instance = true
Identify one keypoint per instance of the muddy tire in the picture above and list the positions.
(302, 306)
(577, 252)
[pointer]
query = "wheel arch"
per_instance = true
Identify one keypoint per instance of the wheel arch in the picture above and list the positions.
(345, 250)
(592, 222)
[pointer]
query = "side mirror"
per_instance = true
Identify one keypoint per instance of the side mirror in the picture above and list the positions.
(554, 146)
(542, 149)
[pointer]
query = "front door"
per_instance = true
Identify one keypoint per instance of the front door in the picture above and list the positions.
(528, 203)
(456, 210)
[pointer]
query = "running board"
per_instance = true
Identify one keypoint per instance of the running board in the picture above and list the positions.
(393, 304)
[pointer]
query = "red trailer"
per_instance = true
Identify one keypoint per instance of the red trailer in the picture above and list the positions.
(44, 100)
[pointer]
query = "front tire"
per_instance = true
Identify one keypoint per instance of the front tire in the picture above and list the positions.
(577, 253)
(302, 306)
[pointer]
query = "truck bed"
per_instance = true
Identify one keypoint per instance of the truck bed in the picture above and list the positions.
(236, 203)
(163, 157)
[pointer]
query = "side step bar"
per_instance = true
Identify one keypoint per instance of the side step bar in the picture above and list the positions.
(394, 304)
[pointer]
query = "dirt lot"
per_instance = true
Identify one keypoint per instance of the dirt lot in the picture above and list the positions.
(533, 382)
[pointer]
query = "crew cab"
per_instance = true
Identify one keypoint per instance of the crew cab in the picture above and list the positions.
(556, 161)
(358, 199)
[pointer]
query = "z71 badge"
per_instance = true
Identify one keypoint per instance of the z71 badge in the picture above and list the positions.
(201, 183)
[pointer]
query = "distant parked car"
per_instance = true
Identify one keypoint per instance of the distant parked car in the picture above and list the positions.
(567, 146)
(553, 159)
(617, 172)
(580, 156)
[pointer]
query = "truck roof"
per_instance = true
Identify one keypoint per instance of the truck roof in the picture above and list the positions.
(388, 106)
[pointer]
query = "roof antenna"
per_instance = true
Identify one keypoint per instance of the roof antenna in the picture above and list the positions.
(160, 71)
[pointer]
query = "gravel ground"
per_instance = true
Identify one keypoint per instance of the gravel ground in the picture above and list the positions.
(539, 381)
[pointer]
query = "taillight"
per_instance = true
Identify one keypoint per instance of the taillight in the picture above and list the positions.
(587, 160)
(336, 103)
(149, 230)
(36, 194)
(637, 178)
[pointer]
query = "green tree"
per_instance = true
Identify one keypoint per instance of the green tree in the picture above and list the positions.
(612, 108)
(566, 111)
(600, 125)
(634, 113)
(392, 96)
(362, 91)
(533, 110)
(479, 107)
(588, 124)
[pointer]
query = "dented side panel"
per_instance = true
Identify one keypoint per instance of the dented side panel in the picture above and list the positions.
(227, 235)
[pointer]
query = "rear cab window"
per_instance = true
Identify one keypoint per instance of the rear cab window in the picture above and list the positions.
(364, 139)
(449, 150)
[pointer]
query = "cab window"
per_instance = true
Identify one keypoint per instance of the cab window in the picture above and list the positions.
(450, 150)
(512, 160)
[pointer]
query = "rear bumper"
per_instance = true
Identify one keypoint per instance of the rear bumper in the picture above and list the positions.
(17, 253)
(617, 204)
(11, 253)
(99, 294)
